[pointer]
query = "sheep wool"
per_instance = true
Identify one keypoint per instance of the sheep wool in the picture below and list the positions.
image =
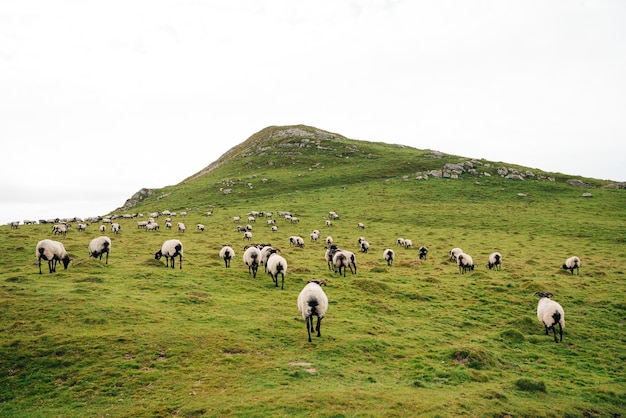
(99, 246)
(454, 253)
(227, 253)
(252, 257)
(495, 261)
(389, 255)
(312, 301)
(170, 249)
(550, 313)
(465, 263)
(53, 252)
(276, 265)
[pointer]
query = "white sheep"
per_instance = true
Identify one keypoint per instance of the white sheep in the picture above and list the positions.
(200, 227)
(360, 225)
(389, 255)
(247, 235)
(315, 235)
(99, 246)
(276, 264)
(400, 241)
(423, 252)
(365, 246)
(329, 223)
(152, 226)
(454, 253)
(296, 241)
(181, 227)
(495, 261)
(465, 263)
(81, 227)
(265, 253)
(312, 301)
(571, 264)
(408, 243)
(342, 260)
(115, 227)
(550, 313)
(252, 257)
(102, 228)
(274, 228)
(329, 240)
(227, 253)
(53, 252)
(60, 229)
(170, 249)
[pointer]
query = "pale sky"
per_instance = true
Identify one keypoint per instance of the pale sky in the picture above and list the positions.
(101, 98)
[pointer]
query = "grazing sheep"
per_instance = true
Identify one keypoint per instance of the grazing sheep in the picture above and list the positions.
(329, 223)
(276, 265)
(465, 263)
(236, 219)
(571, 264)
(389, 255)
(227, 253)
(200, 227)
(315, 235)
(241, 228)
(423, 252)
(141, 224)
(400, 241)
(454, 253)
(365, 246)
(312, 301)
(408, 244)
(53, 252)
(99, 246)
(60, 229)
(342, 260)
(252, 257)
(247, 235)
(168, 225)
(181, 227)
(115, 228)
(102, 228)
(329, 240)
(550, 313)
(360, 225)
(296, 241)
(170, 249)
(495, 261)
(152, 226)
(81, 227)
(274, 228)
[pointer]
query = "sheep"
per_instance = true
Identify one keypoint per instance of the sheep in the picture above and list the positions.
(550, 313)
(571, 264)
(53, 252)
(329, 223)
(342, 260)
(400, 241)
(241, 228)
(315, 235)
(170, 249)
(200, 227)
(423, 252)
(60, 229)
(152, 226)
(81, 227)
(265, 253)
(296, 241)
(102, 228)
(389, 255)
(227, 253)
(181, 227)
(454, 253)
(247, 235)
(252, 256)
(495, 261)
(312, 301)
(236, 219)
(360, 225)
(329, 240)
(408, 243)
(365, 246)
(168, 225)
(465, 263)
(115, 228)
(276, 265)
(99, 246)
(274, 228)
(141, 224)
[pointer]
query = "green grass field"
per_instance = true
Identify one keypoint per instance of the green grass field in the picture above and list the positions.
(134, 338)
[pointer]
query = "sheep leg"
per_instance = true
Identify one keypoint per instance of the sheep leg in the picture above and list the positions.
(282, 286)
(560, 333)
(319, 325)
(309, 325)
(107, 259)
(180, 261)
(39, 259)
(547, 328)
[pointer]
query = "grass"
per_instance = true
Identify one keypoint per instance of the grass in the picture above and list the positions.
(418, 339)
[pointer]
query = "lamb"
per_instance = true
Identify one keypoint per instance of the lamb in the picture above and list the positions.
(53, 252)
(99, 246)
(312, 301)
(252, 257)
(465, 263)
(454, 253)
(170, 249)
(423, 252)
(571, 264)
(276, 265)
(181, 227)
(550, 313)
(389, 255)
(227, 253)
(495, 261)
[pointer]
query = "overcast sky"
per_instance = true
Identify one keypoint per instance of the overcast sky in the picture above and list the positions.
(101, 98)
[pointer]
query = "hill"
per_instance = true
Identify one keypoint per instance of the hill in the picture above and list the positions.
(419, 338)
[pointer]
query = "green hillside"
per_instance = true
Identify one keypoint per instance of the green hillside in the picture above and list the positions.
(134, 338)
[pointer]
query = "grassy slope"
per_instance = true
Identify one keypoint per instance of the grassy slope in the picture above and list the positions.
(134, 338)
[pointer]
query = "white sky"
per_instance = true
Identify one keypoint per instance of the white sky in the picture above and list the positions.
(101, 98)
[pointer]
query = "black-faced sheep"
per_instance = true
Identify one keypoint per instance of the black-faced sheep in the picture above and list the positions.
(115, 227)
(200, 227)
(99, 246)
(408, 243)
(360, 225)
(571, 264)
(170, 249)
(495, 261)
(400, 241)
(227, 253)
(365, 246)
(454, 253)
(252, 257)
(296, 241)
(389, 255)
(53, 252)
(181, 227)
(342, 260)
(312, 301)
(550, 313)
(423, 252)
(465, 263)
(247, 235)
(265, 254)
(276, 265)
